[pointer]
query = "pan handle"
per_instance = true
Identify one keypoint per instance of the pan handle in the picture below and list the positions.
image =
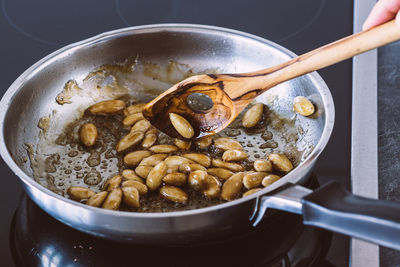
(335, 209)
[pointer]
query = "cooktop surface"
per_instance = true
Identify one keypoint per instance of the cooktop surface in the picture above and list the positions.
(278, 242)
(33, 29)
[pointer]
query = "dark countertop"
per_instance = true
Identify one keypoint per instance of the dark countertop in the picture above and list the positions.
(389, 133)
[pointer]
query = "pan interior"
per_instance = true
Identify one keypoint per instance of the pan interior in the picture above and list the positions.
(142, 64)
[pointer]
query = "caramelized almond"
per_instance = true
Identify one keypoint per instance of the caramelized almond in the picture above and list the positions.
(129, 174)
(155, 176)
(175, 178)
(163, 148)
(253, 115)
(136, 108)
(227, 165)
(270, 179)
(181, 125)
(251, 191)
(303, 106)
(79, 193)
(141, 187)
(199, 158)
(174, 194)
(97, 199)
(234, 155)
(131, 196)
(184, 145)
(280, 162)
(134, 158)
(225, 143)
(253, 179)
(232, 187)
(112, 183)
(113, 199)
(88, 134)
(132, 119)
(107, 107)
(128, 141)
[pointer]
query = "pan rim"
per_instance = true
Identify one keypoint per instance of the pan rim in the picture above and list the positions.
(289, 178)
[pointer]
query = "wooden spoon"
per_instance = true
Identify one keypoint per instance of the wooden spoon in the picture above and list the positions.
(226, 95)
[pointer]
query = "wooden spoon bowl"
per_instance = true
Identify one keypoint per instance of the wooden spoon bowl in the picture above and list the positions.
(175, 100)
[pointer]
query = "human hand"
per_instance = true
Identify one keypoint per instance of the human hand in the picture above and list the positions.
(383, 11)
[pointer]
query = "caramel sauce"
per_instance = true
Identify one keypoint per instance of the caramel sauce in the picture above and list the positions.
(77, 165)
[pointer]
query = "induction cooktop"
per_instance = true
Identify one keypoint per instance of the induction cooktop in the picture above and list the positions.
(33, 29)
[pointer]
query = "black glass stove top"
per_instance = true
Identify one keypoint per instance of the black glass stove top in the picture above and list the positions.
(37, 239)
(33, 29)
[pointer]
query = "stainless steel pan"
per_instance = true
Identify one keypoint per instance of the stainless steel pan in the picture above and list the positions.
(32, 95)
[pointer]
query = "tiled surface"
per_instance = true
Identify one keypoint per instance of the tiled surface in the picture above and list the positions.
(389, 133)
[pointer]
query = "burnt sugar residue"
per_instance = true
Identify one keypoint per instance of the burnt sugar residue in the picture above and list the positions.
(257, 142)
(267, 135)
(92, 166)
(93, 177)
(94, 159)
(82, 166)
(51, 163)
(232, 132)
(269, 144)
(44, 124)
(51, 185)
(71, 89)
(73, 153)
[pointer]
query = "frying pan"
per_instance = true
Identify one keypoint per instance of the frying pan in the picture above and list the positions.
(32, 97)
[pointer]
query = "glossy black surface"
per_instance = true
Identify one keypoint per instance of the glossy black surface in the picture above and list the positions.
(32, 29)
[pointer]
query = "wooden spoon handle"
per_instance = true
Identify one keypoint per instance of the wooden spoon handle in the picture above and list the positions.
(319, 58)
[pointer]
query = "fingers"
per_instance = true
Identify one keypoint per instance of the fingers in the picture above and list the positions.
(383, 11)
(398, 19)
